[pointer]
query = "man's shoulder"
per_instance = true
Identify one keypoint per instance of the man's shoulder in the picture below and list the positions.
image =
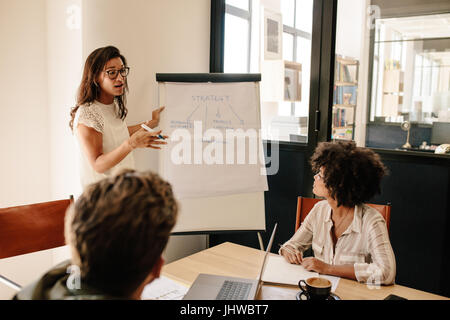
(55, 284)
(47, 286)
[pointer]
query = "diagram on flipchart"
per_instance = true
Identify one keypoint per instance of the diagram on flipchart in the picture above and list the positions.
(229, 107)
(215, 109)
(214, 139)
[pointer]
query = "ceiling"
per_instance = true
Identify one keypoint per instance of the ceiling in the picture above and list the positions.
(442, 57)
(424, 27)
(420, 27)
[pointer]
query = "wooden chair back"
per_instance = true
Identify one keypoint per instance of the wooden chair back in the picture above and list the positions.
(30, 228)
(304, 206)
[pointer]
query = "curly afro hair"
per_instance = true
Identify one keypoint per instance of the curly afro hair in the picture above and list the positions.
(352, 174)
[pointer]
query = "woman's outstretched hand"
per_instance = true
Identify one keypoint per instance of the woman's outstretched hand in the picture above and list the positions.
(155, 118)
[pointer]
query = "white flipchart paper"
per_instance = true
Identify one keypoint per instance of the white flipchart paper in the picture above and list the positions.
(206, 112)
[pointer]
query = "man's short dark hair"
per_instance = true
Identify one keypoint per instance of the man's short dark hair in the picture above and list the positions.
(119, 227)
(351, 174)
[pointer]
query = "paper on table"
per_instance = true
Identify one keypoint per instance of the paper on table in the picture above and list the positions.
(278, 270)
(163, 289)
(334, 281)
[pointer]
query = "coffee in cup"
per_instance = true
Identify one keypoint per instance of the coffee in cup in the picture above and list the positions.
(315, 288)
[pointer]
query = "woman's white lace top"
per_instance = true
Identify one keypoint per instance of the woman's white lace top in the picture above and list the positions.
(103, 118)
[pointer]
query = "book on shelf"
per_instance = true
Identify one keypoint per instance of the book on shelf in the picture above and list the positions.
(345, 133)
(343, 117)
(391, 64)
(346, 70)
(345, 95)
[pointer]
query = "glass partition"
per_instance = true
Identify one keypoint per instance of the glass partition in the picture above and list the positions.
(410, 84)
(392, 75)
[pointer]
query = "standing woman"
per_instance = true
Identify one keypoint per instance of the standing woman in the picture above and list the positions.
(103, 139)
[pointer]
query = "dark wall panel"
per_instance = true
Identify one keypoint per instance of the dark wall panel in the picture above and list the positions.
(419, 196)
(393, 137)
(280, 204)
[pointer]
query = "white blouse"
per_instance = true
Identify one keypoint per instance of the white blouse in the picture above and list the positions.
(103, 118)
(365, 243)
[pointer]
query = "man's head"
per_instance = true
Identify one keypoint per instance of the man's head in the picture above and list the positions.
(118, 229)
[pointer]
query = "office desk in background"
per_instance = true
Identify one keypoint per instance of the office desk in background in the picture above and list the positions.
(229, 259)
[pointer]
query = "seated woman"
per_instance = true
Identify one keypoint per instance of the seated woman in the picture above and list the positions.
(349, 238)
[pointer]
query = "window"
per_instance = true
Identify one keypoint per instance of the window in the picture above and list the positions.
(236, 44)
(274, 39)
(237, 36)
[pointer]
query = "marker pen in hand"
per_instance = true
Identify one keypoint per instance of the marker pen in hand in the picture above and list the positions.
(151, 130)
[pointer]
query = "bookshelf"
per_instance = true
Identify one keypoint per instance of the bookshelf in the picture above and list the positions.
(344, 98)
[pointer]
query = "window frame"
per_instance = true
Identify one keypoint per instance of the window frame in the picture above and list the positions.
(321, 75)
(323, 39)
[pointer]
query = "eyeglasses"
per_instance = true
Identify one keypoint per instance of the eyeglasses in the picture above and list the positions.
(112, 74)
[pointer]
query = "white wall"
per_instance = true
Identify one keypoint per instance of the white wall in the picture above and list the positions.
(42, 59)
(154, 36)
(64, 61)
(24, 121)
(352, 40)
(24, 161)
(350, 26)
(64, 66)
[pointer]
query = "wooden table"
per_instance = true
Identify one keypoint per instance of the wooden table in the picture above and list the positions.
(234, 260)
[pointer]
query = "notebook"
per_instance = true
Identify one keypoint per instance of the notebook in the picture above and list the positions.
(214, 287)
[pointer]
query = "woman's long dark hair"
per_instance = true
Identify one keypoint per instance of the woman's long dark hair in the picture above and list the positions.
(89, 90)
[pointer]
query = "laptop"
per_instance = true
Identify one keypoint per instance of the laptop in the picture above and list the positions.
(213, 287)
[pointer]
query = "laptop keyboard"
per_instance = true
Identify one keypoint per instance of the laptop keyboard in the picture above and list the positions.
(234, 290)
